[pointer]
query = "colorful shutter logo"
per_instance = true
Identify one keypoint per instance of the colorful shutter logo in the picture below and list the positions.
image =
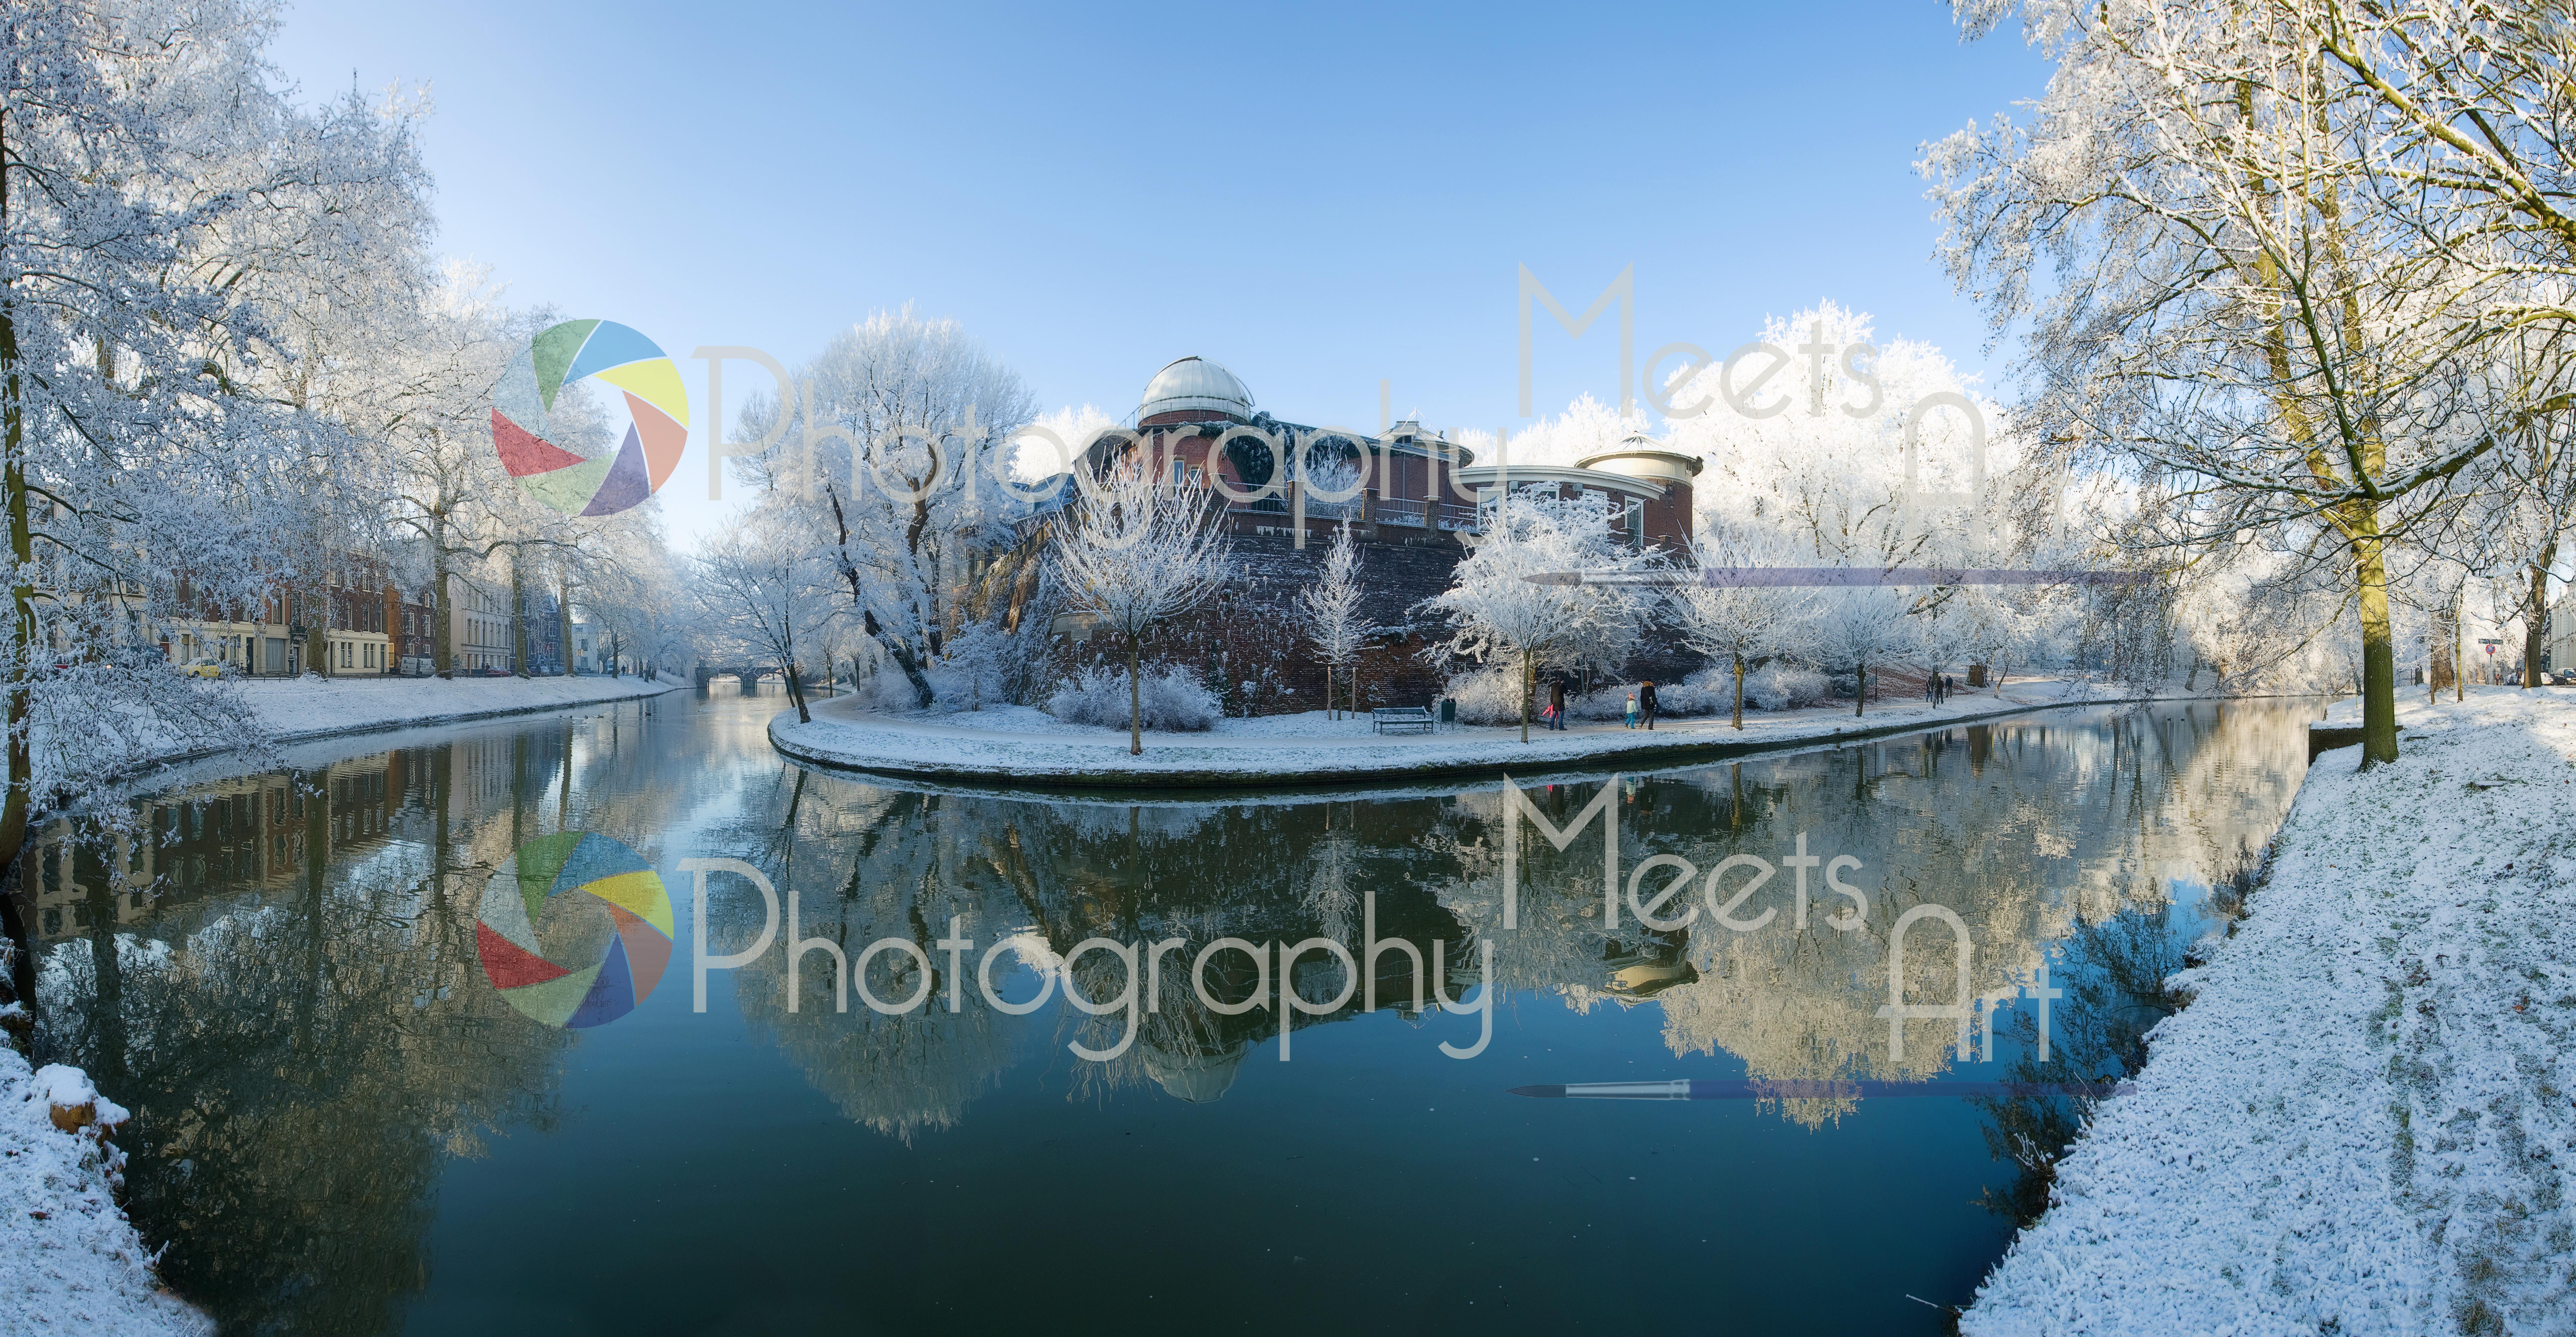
(566, 864)
(568, 354)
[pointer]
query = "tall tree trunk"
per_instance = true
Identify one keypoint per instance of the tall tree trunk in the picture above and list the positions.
(913, 671)
(1135, 700)
(787, 670)
(1529, 684)
(22, 592)
(563, 617)
(443, 646)
(796, 693)
(22, 633)
(1860, 688)
(518, 615)
(1739, 690)
(2535, 615)
(316, 604)
(2378, 646)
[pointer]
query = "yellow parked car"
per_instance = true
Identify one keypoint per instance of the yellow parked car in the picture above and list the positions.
(203, 668)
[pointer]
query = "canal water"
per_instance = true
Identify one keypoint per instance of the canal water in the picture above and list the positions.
(342, 1128)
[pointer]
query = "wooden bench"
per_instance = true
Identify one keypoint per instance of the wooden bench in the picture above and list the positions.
(1400, 719)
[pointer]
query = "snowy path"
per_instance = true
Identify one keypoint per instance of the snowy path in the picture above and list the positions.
(2365, 1120)
(1016, 743)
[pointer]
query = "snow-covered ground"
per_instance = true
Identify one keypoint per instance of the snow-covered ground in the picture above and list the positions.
(293, 709)
(311, 707)
(69, 1260)
(1017, 743)
(2365, 1120)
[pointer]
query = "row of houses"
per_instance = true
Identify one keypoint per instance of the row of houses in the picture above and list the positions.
(372, 625)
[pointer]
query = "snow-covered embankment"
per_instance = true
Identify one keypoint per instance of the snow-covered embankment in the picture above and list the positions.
(2365, 1121)
(69, 1260)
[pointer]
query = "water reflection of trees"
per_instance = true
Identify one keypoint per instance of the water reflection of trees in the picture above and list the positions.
(2027, 830)
(288, 996)
(2115, 972)
(869, 863)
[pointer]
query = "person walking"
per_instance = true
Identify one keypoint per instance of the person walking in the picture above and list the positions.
(1646, 702)
(1632, 710)
(1556, 705)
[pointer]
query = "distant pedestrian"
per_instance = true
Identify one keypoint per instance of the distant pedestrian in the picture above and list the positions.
(1632, 710)
(1646, 701)
(1556, 705)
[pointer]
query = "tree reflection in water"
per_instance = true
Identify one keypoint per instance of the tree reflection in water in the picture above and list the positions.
(2032, 832)
(278, 972)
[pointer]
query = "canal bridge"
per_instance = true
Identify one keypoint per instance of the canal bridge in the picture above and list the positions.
(748, 674)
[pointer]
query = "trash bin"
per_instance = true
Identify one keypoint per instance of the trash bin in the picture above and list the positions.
(1449, 711)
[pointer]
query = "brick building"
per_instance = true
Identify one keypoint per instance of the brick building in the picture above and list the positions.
(1408, 496)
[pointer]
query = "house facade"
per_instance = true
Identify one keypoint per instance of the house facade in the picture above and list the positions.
(338, 624)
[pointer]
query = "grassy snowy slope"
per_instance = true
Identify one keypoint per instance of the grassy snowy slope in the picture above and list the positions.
(2366, 1119)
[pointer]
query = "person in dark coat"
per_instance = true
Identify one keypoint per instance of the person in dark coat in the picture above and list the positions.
(1556, 704)
(1646, 703)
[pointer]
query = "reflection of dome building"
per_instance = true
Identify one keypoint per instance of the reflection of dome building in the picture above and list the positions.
(1193, 1076)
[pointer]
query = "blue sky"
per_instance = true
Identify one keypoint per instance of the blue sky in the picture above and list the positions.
(1320, 198)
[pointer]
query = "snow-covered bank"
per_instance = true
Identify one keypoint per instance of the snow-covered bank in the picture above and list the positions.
(1018, 744)
(69, 1260)
(293, 709)
(2365, 1121)
(311, 707)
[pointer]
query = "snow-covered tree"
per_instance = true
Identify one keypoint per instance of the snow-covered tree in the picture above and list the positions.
(1133, 552)
(764, 587)
(431, 443)
(1501, 615)
(1331, 609)
(908, 435)
(1587, 427)
(162, 209)
(2279, 315)
(1736, 624)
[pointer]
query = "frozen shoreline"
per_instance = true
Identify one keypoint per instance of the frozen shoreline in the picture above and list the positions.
(2365, 1119)
(1017, 745)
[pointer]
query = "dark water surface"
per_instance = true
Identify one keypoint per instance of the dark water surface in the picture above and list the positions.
(342, 1128)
